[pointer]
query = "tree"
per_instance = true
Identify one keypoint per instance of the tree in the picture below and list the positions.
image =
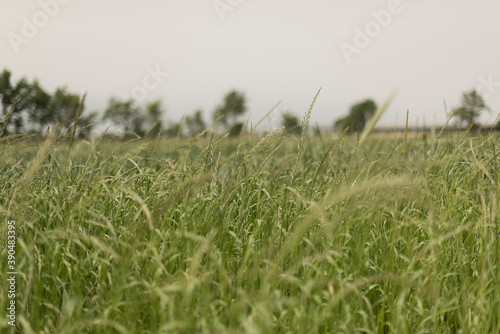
(38, 107)
(195, 123)
(153, 115)
(10, 92)
(233, 106)
(472, 105)
(6, 91)
(63, 107)
(39, 111)
(125, 114)
(291, 123)
(359, 114)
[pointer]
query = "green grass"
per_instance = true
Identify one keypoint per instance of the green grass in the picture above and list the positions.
(249, 235)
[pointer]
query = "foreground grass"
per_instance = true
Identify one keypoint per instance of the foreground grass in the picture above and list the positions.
(273, 235)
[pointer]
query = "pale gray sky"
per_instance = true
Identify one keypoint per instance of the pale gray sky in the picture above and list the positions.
(281, 50)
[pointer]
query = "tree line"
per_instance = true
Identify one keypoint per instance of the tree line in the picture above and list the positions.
(32, 110)
(472, 105)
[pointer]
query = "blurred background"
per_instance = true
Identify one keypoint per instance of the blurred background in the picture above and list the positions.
(184, 58)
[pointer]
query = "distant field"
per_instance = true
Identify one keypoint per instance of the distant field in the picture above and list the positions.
(254, 235)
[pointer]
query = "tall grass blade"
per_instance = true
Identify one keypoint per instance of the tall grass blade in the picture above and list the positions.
(374, 120)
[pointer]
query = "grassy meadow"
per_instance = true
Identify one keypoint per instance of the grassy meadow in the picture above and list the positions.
(274, 234)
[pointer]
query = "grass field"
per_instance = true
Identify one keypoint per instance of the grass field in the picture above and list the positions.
(254, 235)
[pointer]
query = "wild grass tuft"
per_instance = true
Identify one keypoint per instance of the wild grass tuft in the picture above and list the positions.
(249, 235)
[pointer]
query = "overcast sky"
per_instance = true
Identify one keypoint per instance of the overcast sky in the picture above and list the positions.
(280, 50)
